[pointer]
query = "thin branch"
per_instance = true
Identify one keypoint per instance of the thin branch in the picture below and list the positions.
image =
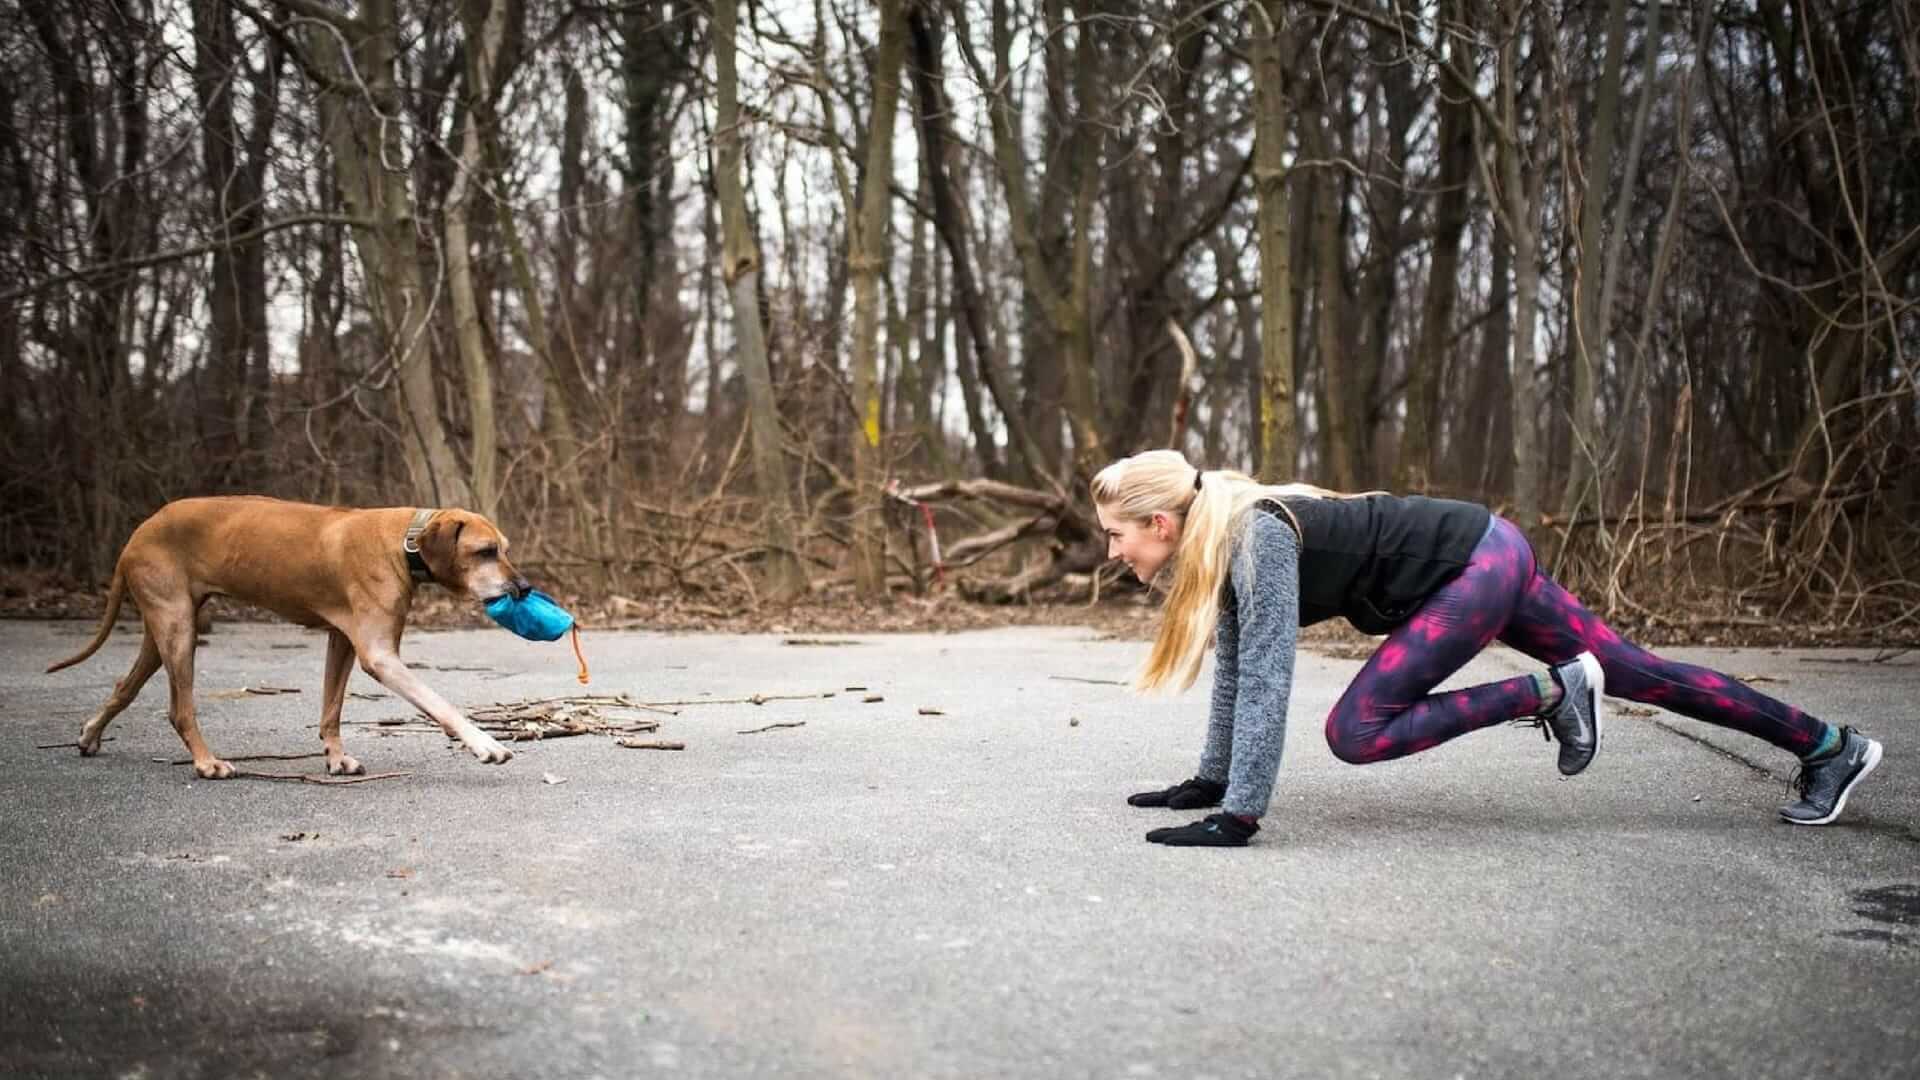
(160, 257)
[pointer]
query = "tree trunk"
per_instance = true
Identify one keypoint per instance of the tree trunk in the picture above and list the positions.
(17, 191)
(912, 334)
(1279, 440)
(1067, 312)
(653, 36)
(227, 355)
(927, 298)
(1428, 363)
(1379, 288)
(483, 49)
(1340, 416)
(1482, 452)
(105, 150)
(563, 387)
(867, 260)
(252, 253)
(359, 106)
(740, 263)
(1590, 324)
(950, 221)
(1607, 449)
(1521, 188)
(1088, 137)
(966, 348)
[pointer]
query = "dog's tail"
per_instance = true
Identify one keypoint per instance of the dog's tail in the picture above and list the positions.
(114, 596)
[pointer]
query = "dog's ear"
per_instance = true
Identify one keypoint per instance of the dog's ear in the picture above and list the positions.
(439, 546)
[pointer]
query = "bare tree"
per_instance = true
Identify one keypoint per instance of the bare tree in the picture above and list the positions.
(353, 62)
(485, 27)
(1518, 180)
(867, 258)
(1279, 441)
(1066, 307)
(940, 147)
(1427, 363)
(105, 181)
(236, 162)
(741, 267)
(1590, 321)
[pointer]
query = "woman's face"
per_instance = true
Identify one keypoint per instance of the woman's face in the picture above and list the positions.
(1145, 546)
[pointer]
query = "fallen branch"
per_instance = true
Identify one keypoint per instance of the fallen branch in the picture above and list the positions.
(330, 781)
(1075, 543)
(513, 709)
(986, 489)
(256, 757)
(756, 699)
(650, 744)
(974, 548)
(541, 734)
(770, 727)
(547, 718)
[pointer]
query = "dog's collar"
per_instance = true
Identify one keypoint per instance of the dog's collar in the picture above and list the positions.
(416, 562)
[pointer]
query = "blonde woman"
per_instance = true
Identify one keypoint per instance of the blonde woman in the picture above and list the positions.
(1248, 564)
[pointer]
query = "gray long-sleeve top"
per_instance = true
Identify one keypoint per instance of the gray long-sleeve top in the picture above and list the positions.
(1253, 672)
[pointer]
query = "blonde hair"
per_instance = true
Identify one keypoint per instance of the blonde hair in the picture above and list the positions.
(1163, 482)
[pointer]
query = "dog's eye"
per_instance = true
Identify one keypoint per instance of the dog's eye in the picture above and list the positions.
(488, 552)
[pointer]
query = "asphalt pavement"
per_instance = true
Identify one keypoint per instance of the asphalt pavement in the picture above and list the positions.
(931, 871)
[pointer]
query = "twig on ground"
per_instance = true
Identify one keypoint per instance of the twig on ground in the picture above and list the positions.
(756, 699)
(770, 727)
(248, 774)
(257, 757)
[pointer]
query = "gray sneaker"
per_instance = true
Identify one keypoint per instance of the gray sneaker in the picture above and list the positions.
(1576, 720)
(1825, 784)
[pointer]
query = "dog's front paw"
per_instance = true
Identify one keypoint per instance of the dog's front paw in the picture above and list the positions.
(89, 747)
(489, 751)
(343, 766)
(214, 769)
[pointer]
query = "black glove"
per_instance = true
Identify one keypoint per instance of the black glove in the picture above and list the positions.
(1194, 794)
(1214, 830)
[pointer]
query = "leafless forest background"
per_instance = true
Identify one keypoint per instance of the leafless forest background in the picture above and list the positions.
(740, 302)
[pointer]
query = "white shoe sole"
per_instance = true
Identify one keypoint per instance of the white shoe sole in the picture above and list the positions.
(1873, 761)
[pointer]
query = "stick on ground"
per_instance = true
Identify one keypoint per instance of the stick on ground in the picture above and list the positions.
(248, 774)
(650, 744)
(257, 757)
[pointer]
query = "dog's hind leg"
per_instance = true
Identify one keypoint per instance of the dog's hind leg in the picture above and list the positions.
(169, 616)
(144, 665)
(333, 693)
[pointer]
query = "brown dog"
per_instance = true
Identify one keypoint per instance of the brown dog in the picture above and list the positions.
(351, 571)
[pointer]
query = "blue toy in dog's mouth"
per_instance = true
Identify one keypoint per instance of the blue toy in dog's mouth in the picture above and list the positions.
(534, 616)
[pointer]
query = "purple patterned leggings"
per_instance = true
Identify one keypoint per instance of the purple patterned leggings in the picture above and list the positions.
(1387, 712)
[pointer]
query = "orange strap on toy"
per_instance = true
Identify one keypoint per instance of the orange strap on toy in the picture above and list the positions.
(582, 657)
